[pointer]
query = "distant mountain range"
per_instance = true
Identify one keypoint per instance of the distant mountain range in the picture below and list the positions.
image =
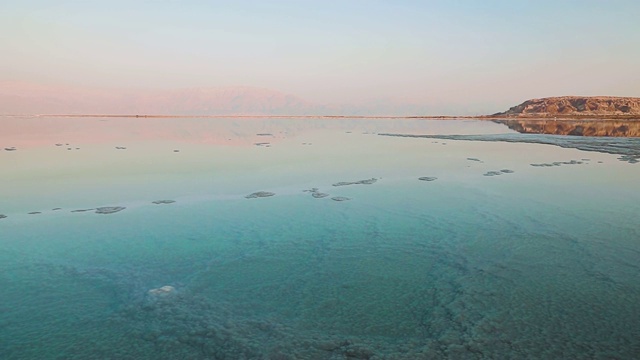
(27, 98)
(21, 98)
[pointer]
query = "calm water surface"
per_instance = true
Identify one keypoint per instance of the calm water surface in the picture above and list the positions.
(489, 257)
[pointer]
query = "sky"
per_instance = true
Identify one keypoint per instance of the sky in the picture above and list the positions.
(478, 56)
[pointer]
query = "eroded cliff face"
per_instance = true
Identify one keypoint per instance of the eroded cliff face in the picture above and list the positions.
(576, 106)
(574, 127)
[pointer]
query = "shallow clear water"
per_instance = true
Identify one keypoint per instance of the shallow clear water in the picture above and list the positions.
(540, 262)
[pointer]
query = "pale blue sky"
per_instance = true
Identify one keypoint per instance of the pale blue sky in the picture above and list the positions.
(475, 54)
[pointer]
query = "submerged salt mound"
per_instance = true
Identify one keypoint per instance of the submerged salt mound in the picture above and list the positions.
(109, 209)
(627, 148)
(428, 178)
(2, 216)
(340, 198)
(190, 326)
(497, 173)
(359, 182)
(160, 202)
(315, 192)
(259, 194)
(162, 291)
(630, 159)
(158, 296)
(559, 163)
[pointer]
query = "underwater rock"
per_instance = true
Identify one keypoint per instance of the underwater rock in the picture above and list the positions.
(109, 209)
(259, 194)
(34, 213)
(162, 291)
(474, 159)
(264, 134)
(176, 150)
(81, 210)
(2, 216)
(56, 209)
(506, 171)
(121, 148)
(58, 144)
(359, 182)
(428, 178)
(159, 202)
(340, 198)
(13, 148)
(266, 144)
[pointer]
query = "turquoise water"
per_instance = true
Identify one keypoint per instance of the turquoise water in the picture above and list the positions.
(539, 263)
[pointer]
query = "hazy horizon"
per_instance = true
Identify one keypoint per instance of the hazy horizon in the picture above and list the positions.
(437, 57)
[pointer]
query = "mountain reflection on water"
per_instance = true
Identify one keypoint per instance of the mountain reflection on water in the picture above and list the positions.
(575, 127)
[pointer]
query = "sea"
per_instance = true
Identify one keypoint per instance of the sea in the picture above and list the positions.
(315, 238)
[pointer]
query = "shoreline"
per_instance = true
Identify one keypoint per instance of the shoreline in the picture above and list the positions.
(425, 117)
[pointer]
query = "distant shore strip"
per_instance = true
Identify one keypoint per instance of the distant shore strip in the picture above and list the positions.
(425, 117)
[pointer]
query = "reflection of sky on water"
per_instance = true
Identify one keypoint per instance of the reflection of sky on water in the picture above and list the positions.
(42, 131)
(219, 157)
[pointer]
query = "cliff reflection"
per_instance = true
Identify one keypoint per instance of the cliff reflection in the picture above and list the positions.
(575, 127)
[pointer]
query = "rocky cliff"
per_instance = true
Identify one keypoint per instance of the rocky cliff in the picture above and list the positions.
(576, 106)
